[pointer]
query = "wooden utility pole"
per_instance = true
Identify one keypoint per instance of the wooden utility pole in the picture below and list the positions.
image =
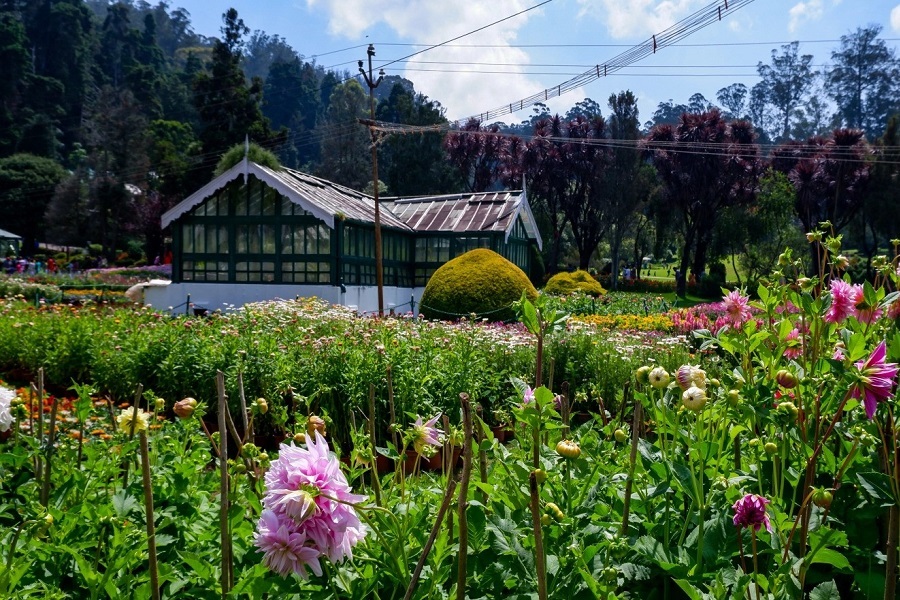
(379, 267)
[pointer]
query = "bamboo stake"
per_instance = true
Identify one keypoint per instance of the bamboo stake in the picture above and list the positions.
(638, 409)
(539, 558)
(463, 503)
(376, 481)
(151, 528)
(223, 486)
(445, 504)
(482, 456)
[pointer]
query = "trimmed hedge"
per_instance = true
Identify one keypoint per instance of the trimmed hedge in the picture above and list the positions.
(578, 281)
(479, 282)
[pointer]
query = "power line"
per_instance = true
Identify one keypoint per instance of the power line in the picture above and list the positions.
(695, 22)
(459, 37)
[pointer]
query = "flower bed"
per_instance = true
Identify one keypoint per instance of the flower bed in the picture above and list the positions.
(737, 472)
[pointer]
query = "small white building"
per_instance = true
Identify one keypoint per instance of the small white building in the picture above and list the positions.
(254, 234)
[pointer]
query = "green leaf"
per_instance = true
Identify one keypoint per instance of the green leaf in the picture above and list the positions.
(123, 504)
(688, 588)
(878, 487)
(827, 556)
(825, 591)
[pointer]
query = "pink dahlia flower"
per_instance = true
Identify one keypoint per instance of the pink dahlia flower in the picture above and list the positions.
(527, 396)
(737, 308)
(843, 301)
(794, 347)
(876, 380)
(285, 550)
(425, 435)
(308, 495)
(750, 511)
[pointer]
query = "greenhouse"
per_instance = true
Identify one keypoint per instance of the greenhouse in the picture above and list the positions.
(254, 233)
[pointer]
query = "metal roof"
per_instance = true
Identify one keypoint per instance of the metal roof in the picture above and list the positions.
(465, 213)
(455, 213)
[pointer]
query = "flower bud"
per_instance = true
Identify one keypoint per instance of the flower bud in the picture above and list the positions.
(299, 438)
(659, 378)
(693, 398)
(568, 449)
(771, 448)
(734, 397)
(540, 475)
(822, 498)
(160, 404)
(250, 450)
(620, 435)
(262, 406)
(315, 423)
(185, 408)
(642, 375)
(841, 262)
(786, 379)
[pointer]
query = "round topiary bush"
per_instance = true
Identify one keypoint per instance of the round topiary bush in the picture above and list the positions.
(479, 282)
(568, 283)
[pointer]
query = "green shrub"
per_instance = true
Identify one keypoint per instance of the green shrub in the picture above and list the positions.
(479, 282)
(579, 281)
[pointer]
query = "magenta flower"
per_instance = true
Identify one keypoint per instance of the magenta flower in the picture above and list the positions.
(425, 435)
(308, 510)
(794, 347)
(527, 396)
(737, 308)
(876, 380)
(750, 511)
(843, 301)
(285, 550)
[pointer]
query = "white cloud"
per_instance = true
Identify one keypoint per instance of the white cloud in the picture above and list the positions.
(638, 17)
(429, 22)
(895, 19)
(811, 10)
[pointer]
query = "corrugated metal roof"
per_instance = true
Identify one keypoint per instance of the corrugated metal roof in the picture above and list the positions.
(458, 213)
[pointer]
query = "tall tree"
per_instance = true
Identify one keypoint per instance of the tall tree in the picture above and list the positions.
(415, 164)
(229, 109)
(829, 176)
(864, 81)
(346, 154)
(117, 132)
(27, 183)
(587, 109)
(701, 183)
(628, 182)
(586, 159)
(264, 50)
(784, 85)
(733, 99)
(291, 99)
(474, 151)
(546, 182)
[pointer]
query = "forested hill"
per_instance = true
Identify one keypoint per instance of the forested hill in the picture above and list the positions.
(97, 96)
(112, 113)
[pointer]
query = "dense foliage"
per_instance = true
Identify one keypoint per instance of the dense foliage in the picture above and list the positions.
(762, 465)
(575, 281)
(478, 283)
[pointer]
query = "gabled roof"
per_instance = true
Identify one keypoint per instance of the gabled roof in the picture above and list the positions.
(463, 213)
(324, 199)
(5, 235)
(455, 213)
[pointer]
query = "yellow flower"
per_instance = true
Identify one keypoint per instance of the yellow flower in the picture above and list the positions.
(125, 417)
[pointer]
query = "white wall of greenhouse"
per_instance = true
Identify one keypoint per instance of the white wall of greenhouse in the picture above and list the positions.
(216, 296)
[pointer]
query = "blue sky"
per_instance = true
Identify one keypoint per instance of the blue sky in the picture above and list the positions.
(549, 45)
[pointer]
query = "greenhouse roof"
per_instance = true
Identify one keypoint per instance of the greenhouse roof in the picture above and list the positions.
(455, 213)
